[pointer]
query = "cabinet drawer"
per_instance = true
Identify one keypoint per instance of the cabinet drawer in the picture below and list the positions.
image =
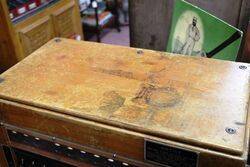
(35, 35)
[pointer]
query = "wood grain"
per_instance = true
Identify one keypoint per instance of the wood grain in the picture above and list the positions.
(189, 99)
(36, 34)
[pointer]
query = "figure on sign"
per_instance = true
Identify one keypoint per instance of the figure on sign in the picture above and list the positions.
(192, 36)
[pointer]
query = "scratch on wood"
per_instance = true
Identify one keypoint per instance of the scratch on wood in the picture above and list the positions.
(61, 57)
(119, 73)
(240, 123)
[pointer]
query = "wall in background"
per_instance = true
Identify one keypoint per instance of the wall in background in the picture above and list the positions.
(150, 20)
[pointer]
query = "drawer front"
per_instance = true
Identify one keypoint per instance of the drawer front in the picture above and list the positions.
(58, 149)
(35, 35)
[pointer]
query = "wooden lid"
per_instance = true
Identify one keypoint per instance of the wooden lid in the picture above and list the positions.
(188, 99)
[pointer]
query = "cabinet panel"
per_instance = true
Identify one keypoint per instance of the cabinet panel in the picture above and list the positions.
(64, 20)
(35, 35)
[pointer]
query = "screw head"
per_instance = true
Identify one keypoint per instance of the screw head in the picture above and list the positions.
(58, 40)
(139, 52)
(230, 130)
(1, 123)
(54, 138)
(242, 67)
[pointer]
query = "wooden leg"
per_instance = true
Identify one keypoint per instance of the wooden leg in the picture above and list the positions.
(3, 160)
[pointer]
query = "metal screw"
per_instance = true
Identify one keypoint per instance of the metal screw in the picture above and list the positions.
(53, 138)
(1, 123)
(243, 67)
(58, 40)
(230, 130)
(139, 52)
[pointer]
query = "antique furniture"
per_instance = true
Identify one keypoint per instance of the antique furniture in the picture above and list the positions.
(29, 25)
(88, 103)
(98, 16)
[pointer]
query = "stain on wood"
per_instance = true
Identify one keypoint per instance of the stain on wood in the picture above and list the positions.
(111, 102)
(161, 97)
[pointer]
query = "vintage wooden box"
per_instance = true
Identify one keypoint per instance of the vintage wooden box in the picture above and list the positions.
(89, 103)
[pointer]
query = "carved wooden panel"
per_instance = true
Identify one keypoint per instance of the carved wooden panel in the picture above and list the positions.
(35, 35)
(64, 21)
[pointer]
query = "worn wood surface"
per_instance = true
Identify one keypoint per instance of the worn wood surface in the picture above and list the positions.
(192, 99)
(150, 20)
